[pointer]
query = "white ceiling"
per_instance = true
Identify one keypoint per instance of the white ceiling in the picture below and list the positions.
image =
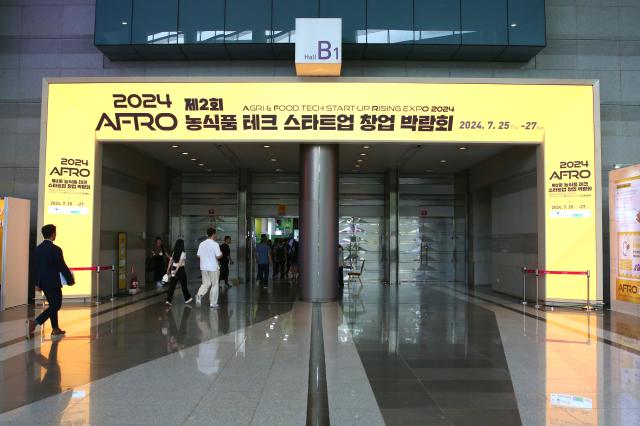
(408, 158)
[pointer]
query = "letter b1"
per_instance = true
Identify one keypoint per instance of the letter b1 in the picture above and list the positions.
(324, 50)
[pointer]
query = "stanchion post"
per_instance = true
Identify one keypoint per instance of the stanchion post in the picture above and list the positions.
(113, 271)
(524, 285)
(97, 302)
(537, 305)
(588, 307)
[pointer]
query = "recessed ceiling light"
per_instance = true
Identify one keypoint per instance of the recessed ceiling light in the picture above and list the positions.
(274, 160)
(462, 148)
(359, 160)
(363, 154)
(194, 159)
(185, 153)
(209, 170)
(124, 22)
(279, 170)
(514, 25)
(357, 165)
(366, 147)
(174, 146)
(267, 146)
(201, 165)
(443, 161)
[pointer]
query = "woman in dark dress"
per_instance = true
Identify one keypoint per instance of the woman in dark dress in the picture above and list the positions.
(159, 257)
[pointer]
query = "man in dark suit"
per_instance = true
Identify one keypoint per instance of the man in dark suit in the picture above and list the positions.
(49, 265)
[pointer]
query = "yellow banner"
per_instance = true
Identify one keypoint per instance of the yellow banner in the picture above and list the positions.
(628, 290)
(559, 118)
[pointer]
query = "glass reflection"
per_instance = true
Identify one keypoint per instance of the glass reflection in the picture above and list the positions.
(389, 36)
(165, 37)
(155, 22)
(201, 21)
(248, 21)
(360, 238)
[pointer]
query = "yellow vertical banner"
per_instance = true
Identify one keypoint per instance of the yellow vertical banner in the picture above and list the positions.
(122, 260)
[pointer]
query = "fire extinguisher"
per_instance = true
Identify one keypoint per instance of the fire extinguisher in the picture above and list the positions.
(133, 284)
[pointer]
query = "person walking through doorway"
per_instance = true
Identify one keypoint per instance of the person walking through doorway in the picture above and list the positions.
(293, 259)
(281, 258)
(263, 259)
(176, 272)
(51, 273)
(159, 257)
(225, 261)
(209, 254)
(274, 258)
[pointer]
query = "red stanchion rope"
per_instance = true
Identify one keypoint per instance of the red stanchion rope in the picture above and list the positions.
(547, 272)
(92, 268)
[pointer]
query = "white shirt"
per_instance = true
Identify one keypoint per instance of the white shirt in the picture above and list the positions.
(177, 265)
(208, 252)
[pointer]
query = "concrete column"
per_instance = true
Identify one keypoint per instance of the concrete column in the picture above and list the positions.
(318, 222)
(391, 209)
(242, 253)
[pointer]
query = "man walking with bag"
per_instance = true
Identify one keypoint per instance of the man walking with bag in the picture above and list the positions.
(209, 253)
(51, 270)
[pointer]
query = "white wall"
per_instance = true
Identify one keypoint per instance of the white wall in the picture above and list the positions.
(134, 200)
(504, 219)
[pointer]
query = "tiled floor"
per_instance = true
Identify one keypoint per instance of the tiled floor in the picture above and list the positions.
(413, 354)
(443, 355)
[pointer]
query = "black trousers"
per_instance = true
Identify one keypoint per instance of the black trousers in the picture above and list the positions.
(341, 276)
(54, 297)
(224, 271)
(263, 273)
(181, 276)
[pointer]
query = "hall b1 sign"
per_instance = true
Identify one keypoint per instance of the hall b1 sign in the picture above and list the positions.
(318, 46)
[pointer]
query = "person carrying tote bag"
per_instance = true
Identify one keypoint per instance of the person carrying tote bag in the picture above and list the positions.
(176, 272)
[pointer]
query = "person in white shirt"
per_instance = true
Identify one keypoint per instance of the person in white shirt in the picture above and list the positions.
(209, 253)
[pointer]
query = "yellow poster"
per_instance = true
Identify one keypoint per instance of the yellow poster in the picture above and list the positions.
(559, 118)
(625, 234)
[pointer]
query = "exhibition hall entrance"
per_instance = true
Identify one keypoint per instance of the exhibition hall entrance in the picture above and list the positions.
(451, 183)
(464, 215)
